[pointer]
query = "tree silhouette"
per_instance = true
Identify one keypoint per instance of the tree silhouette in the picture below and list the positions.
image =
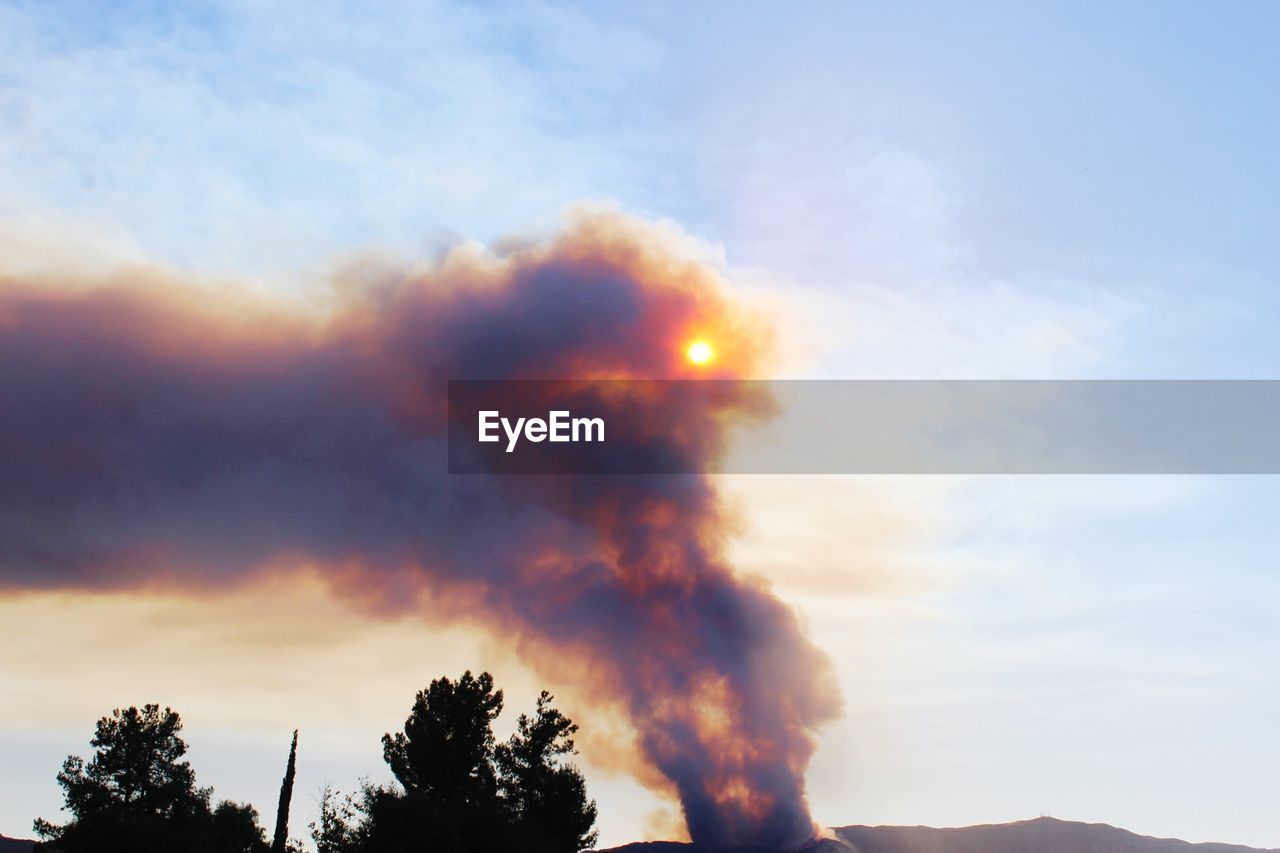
(443, 760)
(137, 794)
(461, 793)
(447, 741)
(235, 827)
(280, 842)
(136, 769)
(339, 828)
(549, 798)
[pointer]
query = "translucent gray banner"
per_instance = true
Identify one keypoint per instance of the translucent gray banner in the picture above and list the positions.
(880, 427)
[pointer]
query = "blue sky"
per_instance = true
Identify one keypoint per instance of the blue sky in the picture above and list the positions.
(928, 190)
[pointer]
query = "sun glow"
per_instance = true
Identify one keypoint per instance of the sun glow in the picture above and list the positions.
(699, 352)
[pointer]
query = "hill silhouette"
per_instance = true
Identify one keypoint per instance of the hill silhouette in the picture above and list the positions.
(14, 845)
(1042, 835)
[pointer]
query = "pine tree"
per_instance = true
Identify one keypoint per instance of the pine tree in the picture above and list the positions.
(447, 741)
(549, 796)
(137, 794)
(136, 768)
(461, 792)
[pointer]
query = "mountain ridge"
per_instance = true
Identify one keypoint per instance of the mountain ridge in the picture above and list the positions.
(1039, 835)
(15, 845)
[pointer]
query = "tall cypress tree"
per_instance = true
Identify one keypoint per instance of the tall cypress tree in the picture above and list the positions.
(280, 843)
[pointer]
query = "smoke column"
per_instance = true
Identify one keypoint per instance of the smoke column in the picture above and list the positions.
(151, 433)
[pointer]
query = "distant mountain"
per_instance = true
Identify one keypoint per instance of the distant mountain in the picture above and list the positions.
(1043, 835)
(13, 845)
(681, 847)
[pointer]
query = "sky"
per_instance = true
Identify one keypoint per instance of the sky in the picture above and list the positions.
(917, 190)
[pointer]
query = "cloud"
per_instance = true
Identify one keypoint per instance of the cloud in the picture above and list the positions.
(236, 137)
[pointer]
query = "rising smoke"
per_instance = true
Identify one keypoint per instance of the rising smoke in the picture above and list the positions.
(153, 433)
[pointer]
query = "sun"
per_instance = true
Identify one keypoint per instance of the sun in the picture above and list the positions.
(699, 352)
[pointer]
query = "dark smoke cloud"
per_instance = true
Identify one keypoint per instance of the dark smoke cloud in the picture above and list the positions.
(149, 434)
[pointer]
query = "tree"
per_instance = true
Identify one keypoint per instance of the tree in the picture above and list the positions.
(135, 772)
(443, 760)
(458, 791)
(339, 827)
(447, 742)
(235, 828)
(548, 797)
(137, 794)
(280, 842)
(136, 769)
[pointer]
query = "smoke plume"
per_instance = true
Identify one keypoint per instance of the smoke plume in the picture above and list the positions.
(152, 432)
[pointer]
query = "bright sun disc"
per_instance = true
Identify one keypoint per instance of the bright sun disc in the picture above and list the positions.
(699, 352)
